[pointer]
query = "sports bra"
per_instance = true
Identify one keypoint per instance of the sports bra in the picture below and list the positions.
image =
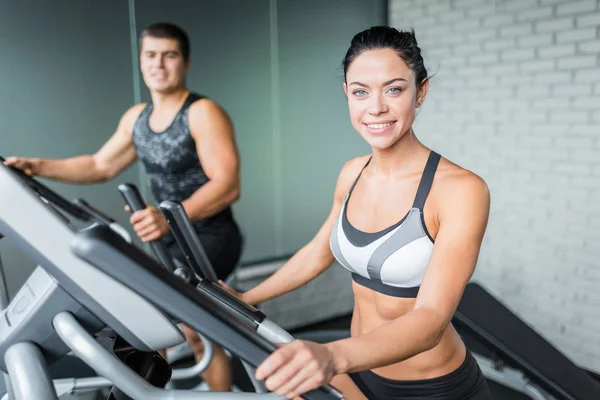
(393, 260)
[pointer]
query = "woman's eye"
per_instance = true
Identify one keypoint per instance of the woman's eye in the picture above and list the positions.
(360, 92)
(395, 90)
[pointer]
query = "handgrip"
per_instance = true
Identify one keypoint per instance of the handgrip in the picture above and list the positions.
(132, 196)
(134, 200)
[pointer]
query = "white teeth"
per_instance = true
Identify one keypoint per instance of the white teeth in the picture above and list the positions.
(379, 126)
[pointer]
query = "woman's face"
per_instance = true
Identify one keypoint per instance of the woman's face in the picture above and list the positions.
(382, 96)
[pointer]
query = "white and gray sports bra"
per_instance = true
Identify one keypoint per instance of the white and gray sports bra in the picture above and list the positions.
(391, 261)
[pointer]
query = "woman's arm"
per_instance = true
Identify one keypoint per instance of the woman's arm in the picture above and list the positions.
(302, 366)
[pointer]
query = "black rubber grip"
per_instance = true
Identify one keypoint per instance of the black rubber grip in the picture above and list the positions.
(134, 200)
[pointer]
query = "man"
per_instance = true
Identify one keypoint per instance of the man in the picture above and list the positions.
(186, 143)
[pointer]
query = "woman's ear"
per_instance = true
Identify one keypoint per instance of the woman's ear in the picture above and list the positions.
(422, 94)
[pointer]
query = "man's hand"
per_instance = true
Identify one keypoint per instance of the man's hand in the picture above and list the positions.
(27, 165)
(149, 224)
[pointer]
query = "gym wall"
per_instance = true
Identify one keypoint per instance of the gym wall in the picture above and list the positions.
(70, 70)
(65, 80)
(515, 97)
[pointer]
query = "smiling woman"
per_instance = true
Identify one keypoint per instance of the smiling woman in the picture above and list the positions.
(408, 224)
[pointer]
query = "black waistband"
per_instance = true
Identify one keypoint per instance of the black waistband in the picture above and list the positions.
(466, 382)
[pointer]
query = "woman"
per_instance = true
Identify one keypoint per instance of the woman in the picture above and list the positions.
(408, 224)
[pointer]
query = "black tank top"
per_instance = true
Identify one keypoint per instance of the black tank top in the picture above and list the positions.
(172, 164)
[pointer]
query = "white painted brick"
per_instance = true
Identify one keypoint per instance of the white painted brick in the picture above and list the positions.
(576, 7)
(454, 61)
(493, 116)
(536, 132)
(590, 156)
(544, 2)
(556, 156)
(576, 35)
(482, 35)
(535, 14)
(542, 39)
(453, 39)
(592, 103)
(513, 104)
(581, 142)
(516, 30)
(588, 20)
(484, 59)
(424, 22)
(439, 8)
(518, 55)
(499, 92)
(584, 130)
(467, 72)
(572, 168)
(571, 90)
(551, 130)
(569, 117)
(529, 116)
(498, 20)
(503, 68)
(536, 141)
(557, 51)
(499, 44)
(464, 25)
(538, 65)
(517, 5)
(481, 105)
(515, 80)
(451, 16)
(552, 77)
(577, 62)
(438, 31)
(533, 92)
(410, 13)
(468, 3)
(591, 47)
(440, 52)
(554, 25)
(551, 104)
(588, 75)
(483, 10)
(467, 49)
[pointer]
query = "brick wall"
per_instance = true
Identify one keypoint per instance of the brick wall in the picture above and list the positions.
(516, 98)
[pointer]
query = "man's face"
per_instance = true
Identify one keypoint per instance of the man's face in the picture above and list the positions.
(162, 64)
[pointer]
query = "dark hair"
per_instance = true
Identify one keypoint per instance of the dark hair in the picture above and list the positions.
(404, 43)
(165, 30)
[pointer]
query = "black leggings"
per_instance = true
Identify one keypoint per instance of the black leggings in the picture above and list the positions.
(223, 250)
(464, 383)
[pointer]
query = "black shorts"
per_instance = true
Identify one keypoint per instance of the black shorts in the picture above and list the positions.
(223, 249)
(465, 383)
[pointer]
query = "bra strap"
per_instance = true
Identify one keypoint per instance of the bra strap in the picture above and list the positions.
(426, 180)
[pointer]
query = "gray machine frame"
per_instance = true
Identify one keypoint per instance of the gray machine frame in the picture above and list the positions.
(81, 297)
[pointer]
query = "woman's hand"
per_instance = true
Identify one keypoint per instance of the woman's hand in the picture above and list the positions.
(149, 224)
(297, 367)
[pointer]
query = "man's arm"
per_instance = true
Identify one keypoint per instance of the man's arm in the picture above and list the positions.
(213, 132)
(112, 158)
